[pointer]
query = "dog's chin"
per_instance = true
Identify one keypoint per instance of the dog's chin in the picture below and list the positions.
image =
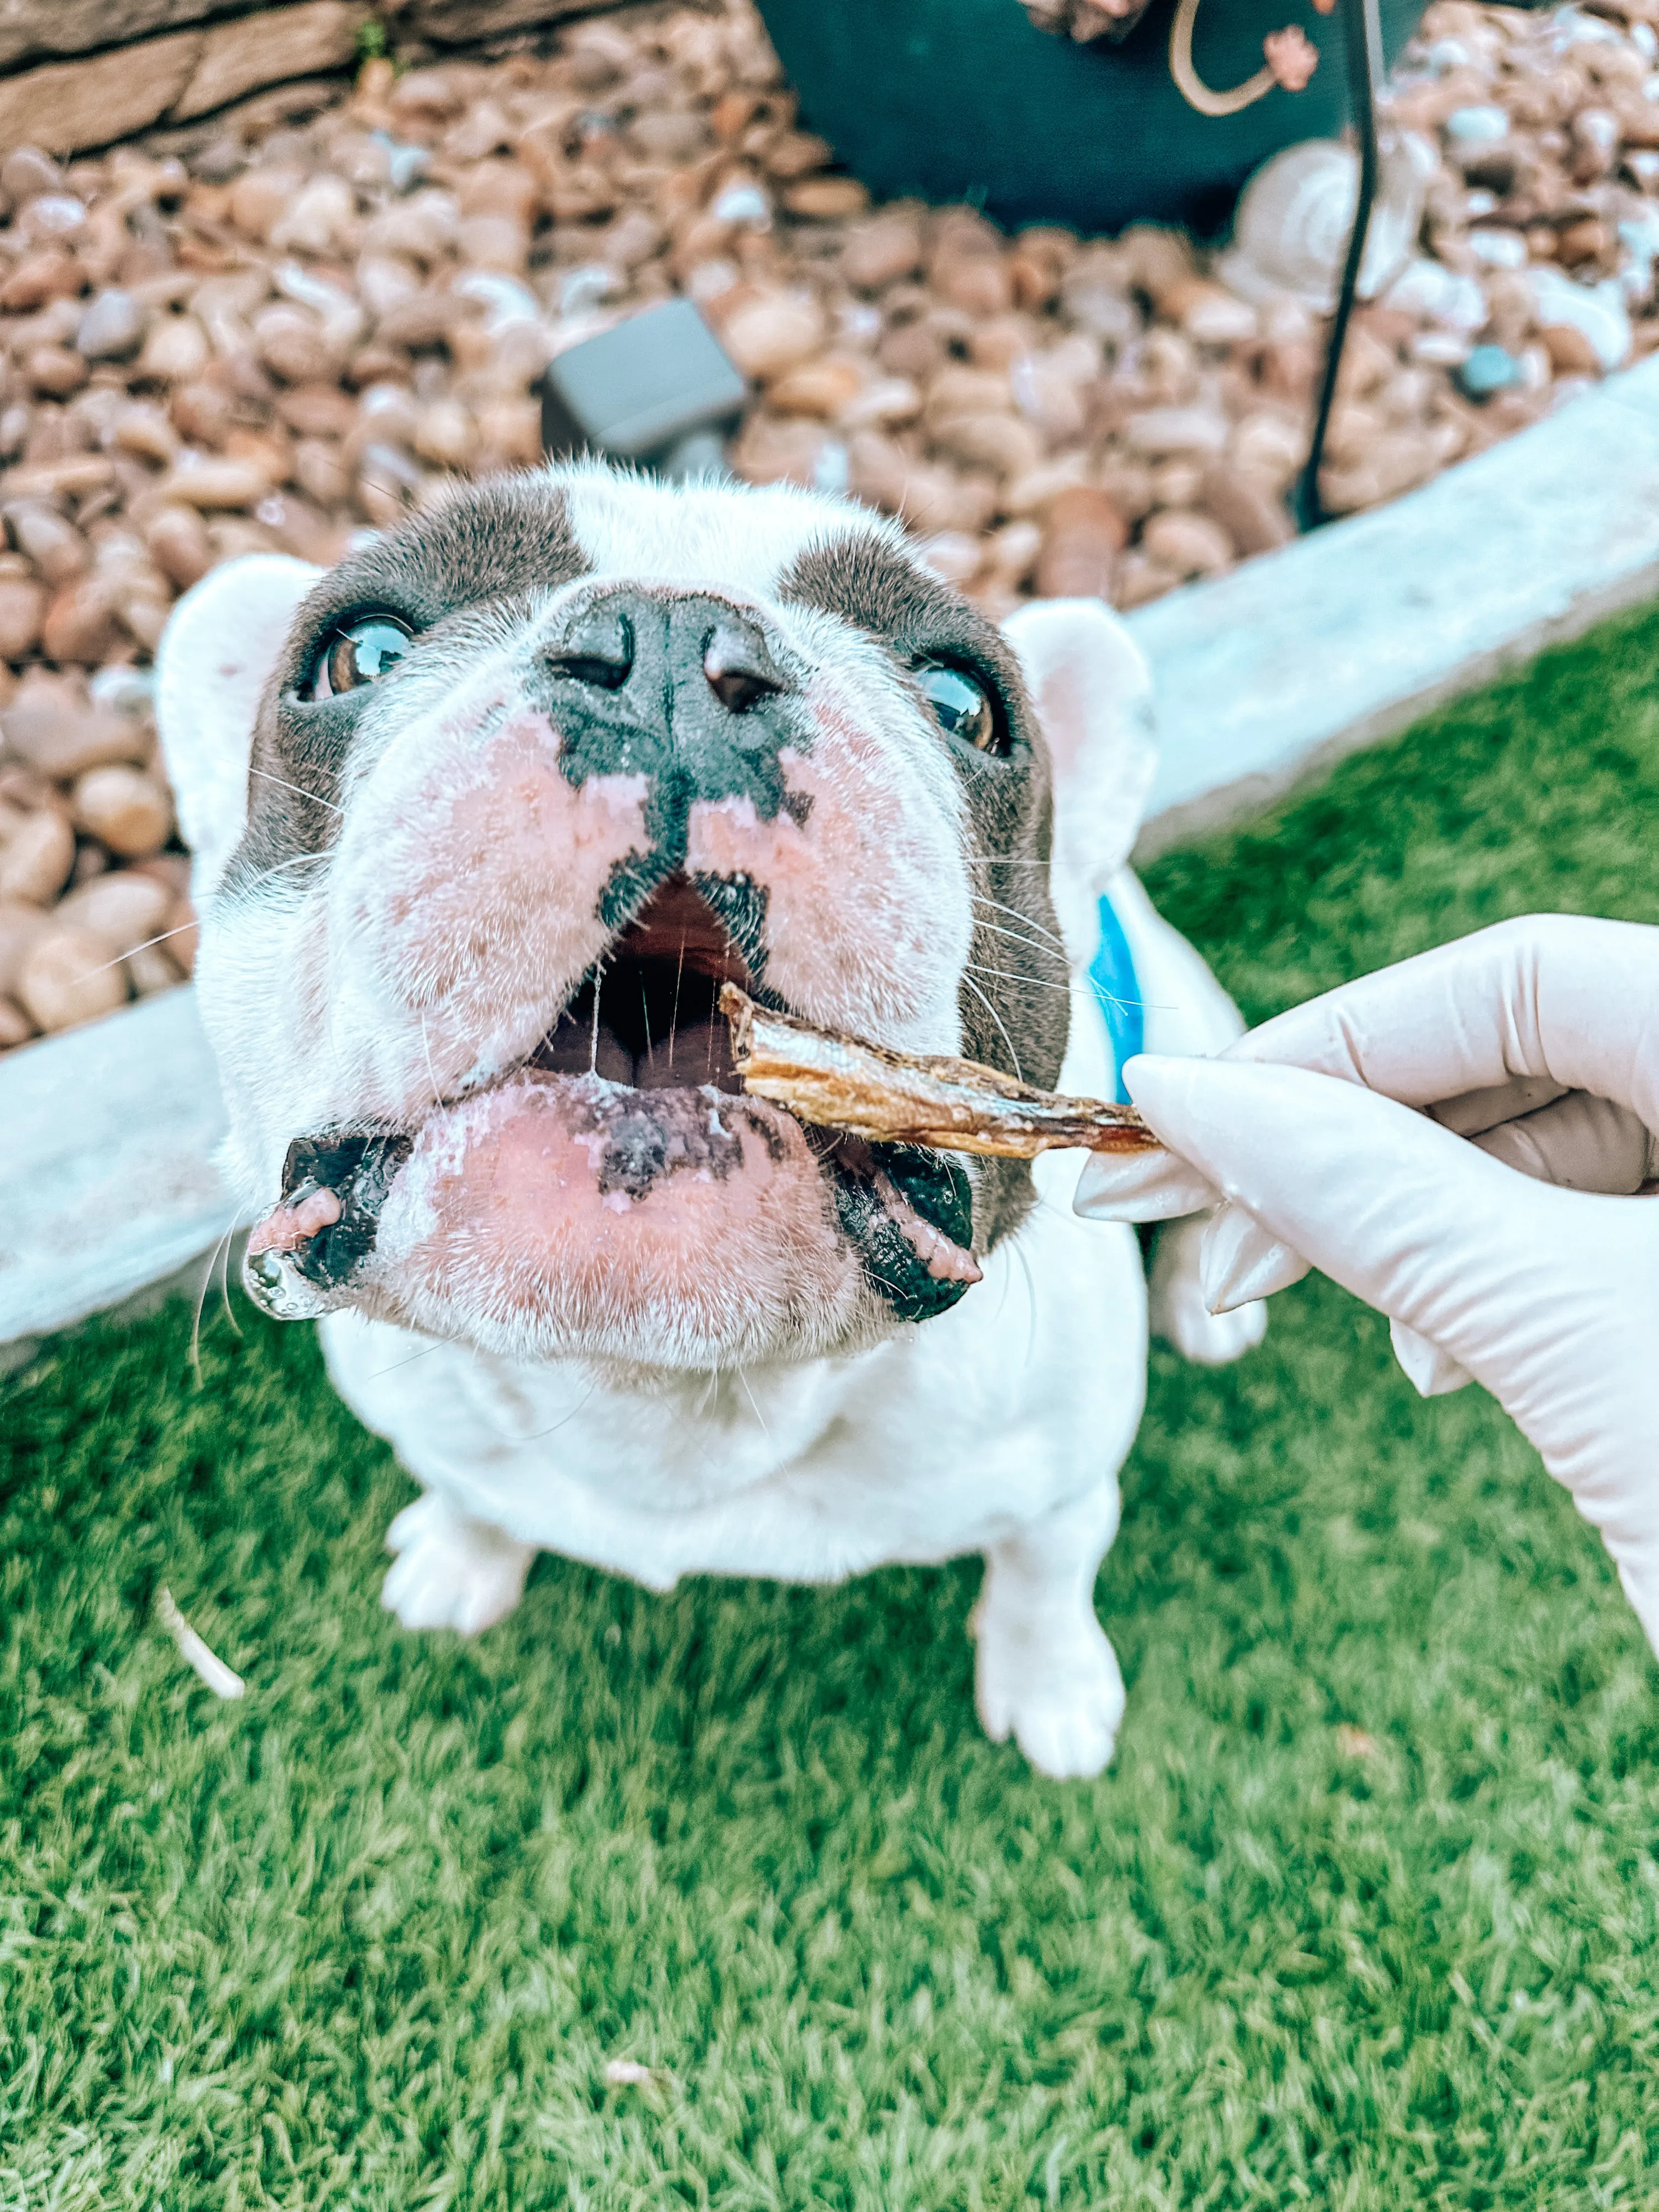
(616, 1196)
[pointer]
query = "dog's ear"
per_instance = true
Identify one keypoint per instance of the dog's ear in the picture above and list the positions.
(221, 643)
(1092, 691)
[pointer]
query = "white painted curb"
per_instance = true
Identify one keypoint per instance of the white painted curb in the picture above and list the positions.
(1273, 673)
(1263, 677)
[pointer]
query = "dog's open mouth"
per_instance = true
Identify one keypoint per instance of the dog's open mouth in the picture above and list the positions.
(647, 1015)
(625, 1137)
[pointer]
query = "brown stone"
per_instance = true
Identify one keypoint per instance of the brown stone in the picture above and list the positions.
(52, 546)
(35, 860)
(175, 351)
(321, 218)
(1571, 352)
(78, 623)
(1080, 546)
(126, 809)
(1254, 522)
(146, 432)
(880, 251)
(216, 485)
(54, 371)
(26, 172)
(184, 937)
(826, 387)
(825, 200)
(460, 22)
(67, 105)
(152, 969)
(997, 441)
(22, 925)
(1588, 240)
(237, 58)
(22, 608)
(767, 335)
(38, 277)
(979, 283)
(1190, 545)
(446, 434)
(292, 342)
(52, 726)
(320, 472)
(317, 410)
(178, 544)
(67, 978)
(123, 908)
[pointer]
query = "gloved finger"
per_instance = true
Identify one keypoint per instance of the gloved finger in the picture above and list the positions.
(1579, 1143)
(1558, 998)
(1414, 1220)
(1239, 1261)
(1140, 1187)
(1431, 1372)
(1476, 1111)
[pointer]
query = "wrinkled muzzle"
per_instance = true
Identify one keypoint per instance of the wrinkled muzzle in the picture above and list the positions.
(538, 894)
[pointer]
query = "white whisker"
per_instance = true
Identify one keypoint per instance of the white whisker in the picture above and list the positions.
(207, 1281)
(1015, 937)
(1019, 1075)
(1014, 915)
(299, 790)
(87, 974)
(431, 1073)
(753, 1407)
(1013, 975)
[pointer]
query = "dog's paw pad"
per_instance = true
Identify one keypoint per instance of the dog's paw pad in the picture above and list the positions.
(1060, 1703)
(452, 1571)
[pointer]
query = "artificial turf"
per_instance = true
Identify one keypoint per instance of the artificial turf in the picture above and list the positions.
(1364, 1914)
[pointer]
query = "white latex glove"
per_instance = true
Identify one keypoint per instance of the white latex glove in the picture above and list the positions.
(1532, 1047)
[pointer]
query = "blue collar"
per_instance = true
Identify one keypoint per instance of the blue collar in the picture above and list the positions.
(1117, 991)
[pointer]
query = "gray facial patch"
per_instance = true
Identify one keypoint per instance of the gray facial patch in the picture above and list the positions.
(493, 547)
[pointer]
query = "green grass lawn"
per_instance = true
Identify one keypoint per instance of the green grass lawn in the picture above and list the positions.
(1366, 1915)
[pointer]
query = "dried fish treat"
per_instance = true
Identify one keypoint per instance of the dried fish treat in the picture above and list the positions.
(904, 1099)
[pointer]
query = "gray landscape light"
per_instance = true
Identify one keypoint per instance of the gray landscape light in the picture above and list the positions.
(658, 389)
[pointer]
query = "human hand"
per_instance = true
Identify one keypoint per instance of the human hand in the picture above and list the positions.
(1496, 1225)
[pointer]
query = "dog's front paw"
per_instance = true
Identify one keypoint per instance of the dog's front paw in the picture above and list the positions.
(452, 1571)
(1176, 1307)
(1059, 1693)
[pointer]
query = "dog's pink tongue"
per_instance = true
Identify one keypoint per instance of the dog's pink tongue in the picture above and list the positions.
(945, 1261)
(288, 1227)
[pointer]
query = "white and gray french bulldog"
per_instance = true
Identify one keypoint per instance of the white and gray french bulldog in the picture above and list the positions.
(481, 820)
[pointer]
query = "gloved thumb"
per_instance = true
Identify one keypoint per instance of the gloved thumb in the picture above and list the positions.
(1408, 1217)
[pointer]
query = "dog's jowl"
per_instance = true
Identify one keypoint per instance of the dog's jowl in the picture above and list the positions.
(483, 820)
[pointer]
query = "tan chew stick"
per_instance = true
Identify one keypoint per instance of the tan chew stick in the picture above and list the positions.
(903, 1098)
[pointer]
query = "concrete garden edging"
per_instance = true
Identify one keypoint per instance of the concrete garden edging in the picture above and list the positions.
(1265, 677)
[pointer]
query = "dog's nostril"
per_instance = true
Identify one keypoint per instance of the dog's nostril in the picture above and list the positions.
(739, 669)
(599, 651)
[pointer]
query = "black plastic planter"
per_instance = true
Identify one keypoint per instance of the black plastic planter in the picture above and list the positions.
(965, 99)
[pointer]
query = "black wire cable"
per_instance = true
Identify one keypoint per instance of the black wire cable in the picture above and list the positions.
(1361, 45)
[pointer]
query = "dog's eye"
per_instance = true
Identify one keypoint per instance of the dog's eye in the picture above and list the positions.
(963, 708)
(357, 654)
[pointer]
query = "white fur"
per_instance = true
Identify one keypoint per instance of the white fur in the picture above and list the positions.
(997, 1427)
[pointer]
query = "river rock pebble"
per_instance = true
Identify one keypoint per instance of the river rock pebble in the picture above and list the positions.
(298, 319)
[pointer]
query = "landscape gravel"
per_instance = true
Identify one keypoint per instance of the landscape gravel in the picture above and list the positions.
(302, 319)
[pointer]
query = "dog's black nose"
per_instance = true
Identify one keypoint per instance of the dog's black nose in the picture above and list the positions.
(694, 696)
(599, 650)
(739, 664)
